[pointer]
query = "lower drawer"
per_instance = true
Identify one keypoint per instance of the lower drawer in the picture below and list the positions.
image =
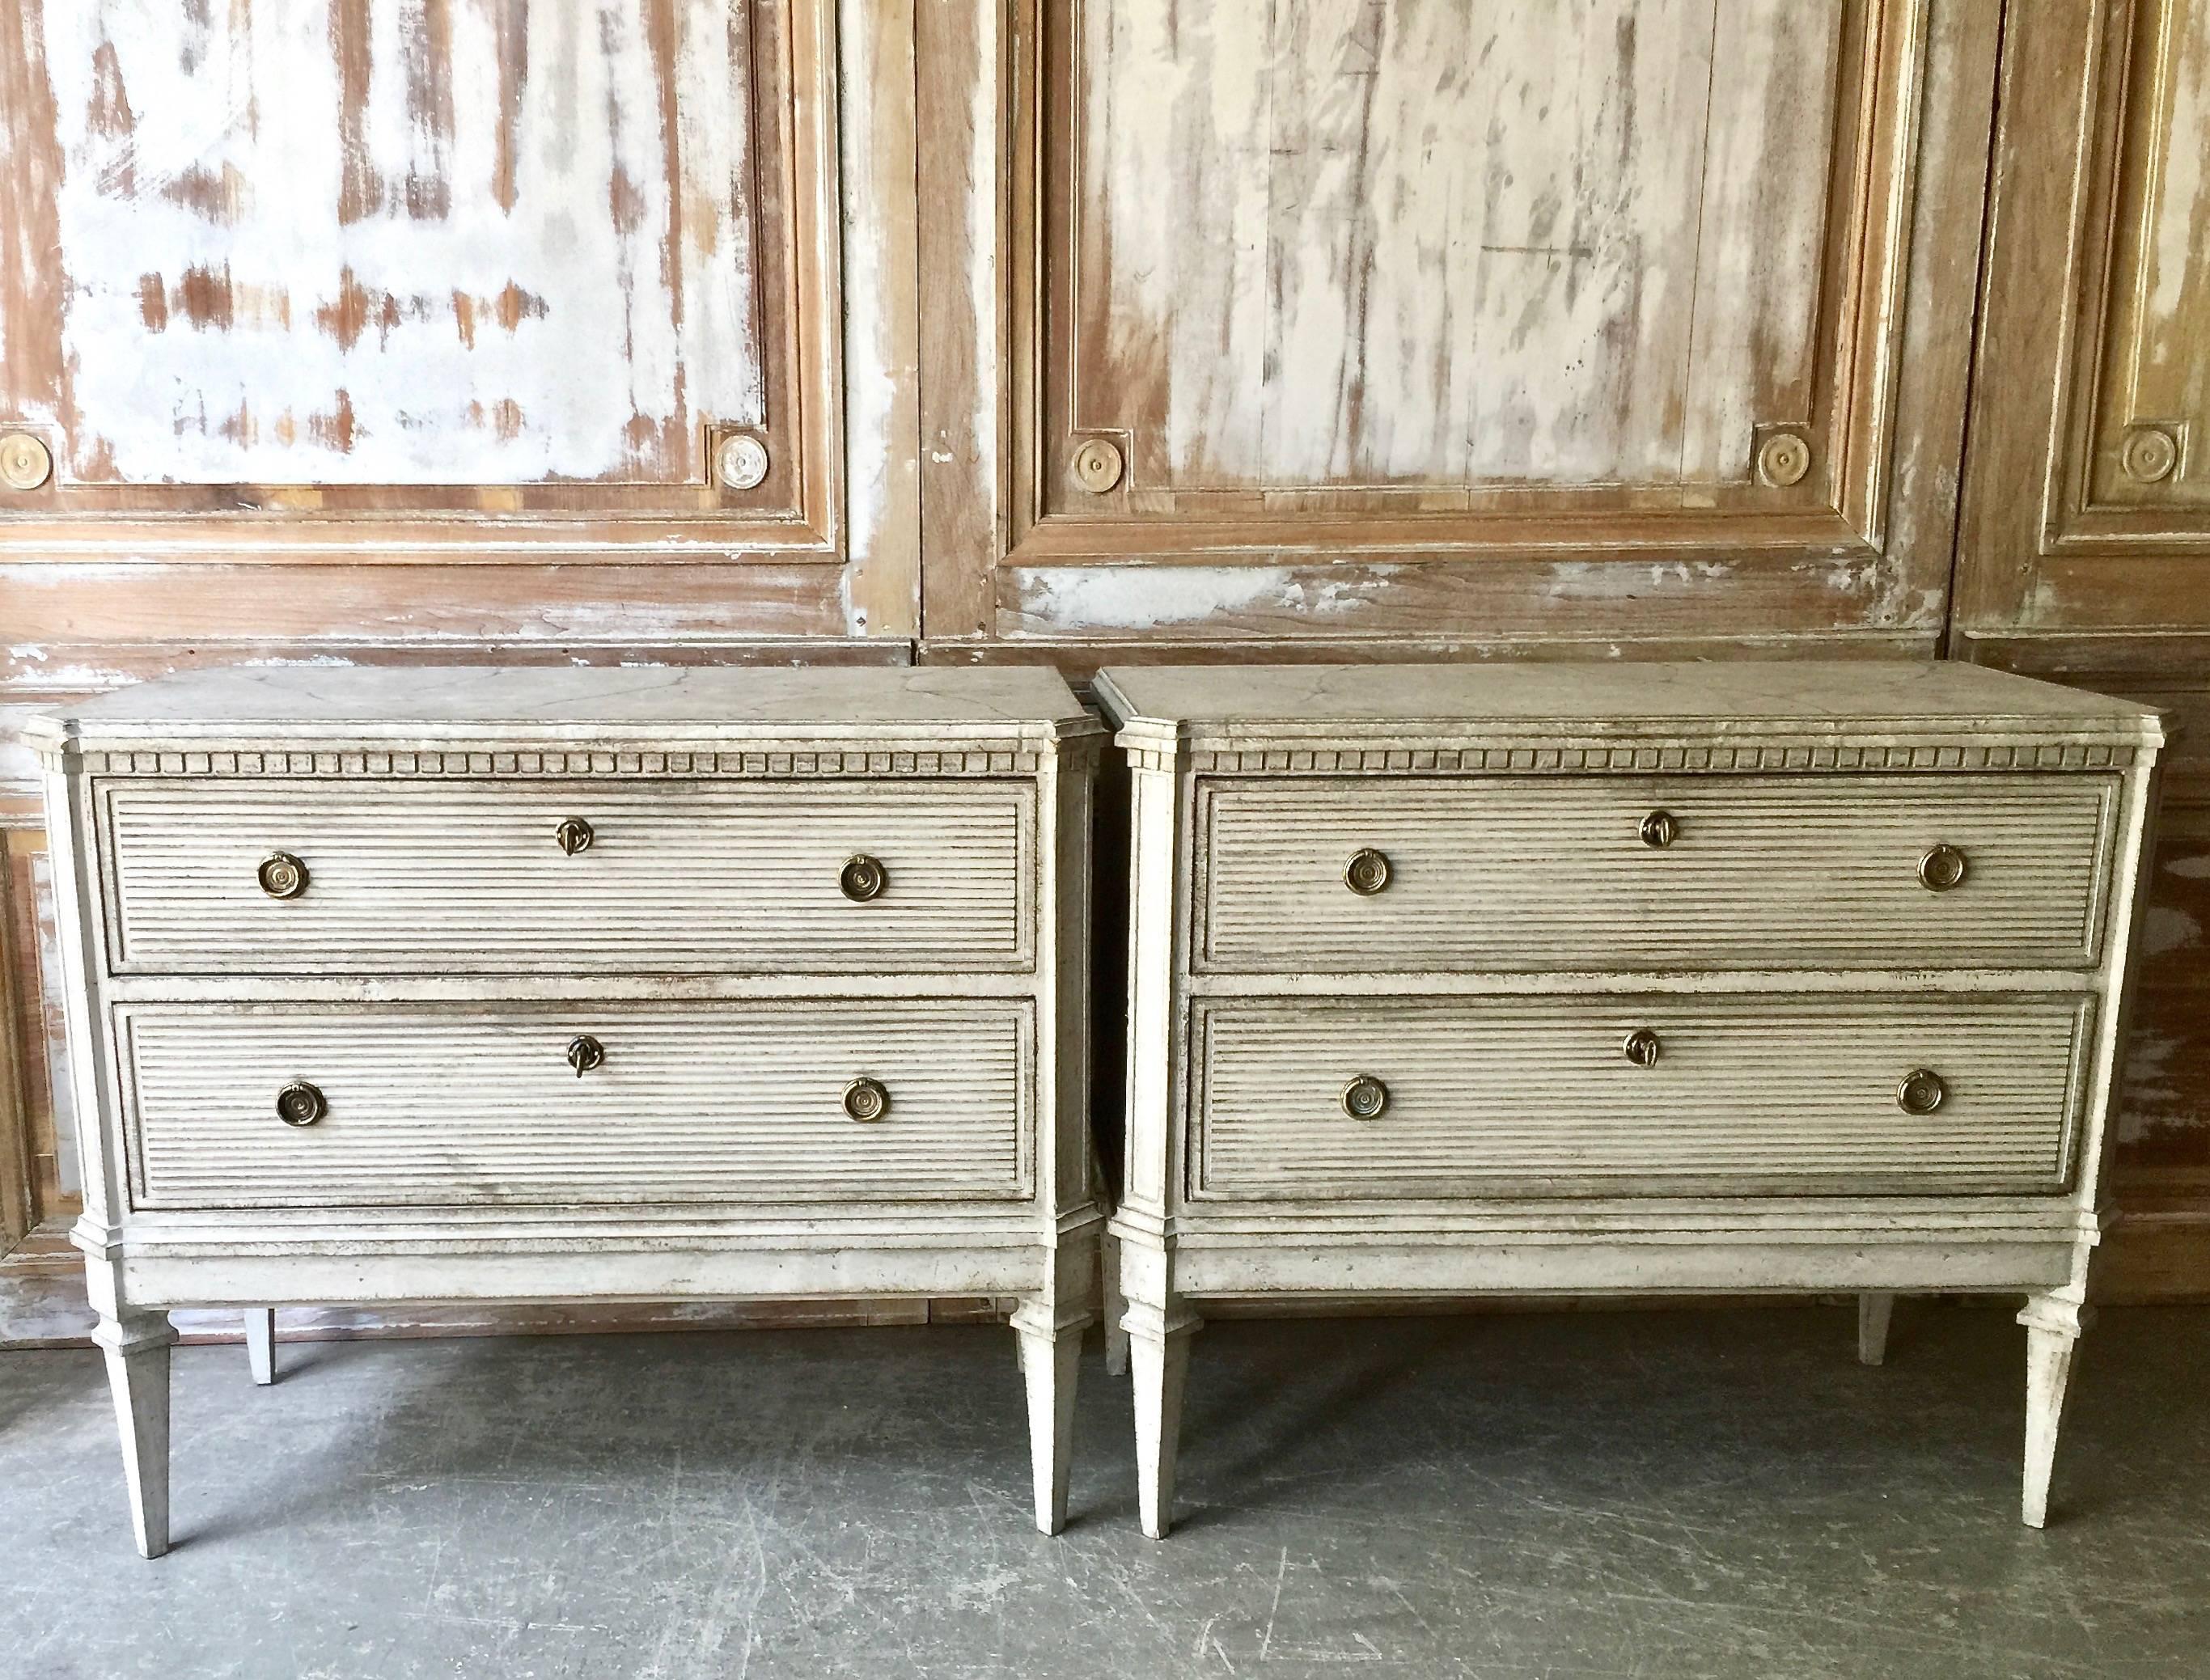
(752, 1103)
(1540, 1097)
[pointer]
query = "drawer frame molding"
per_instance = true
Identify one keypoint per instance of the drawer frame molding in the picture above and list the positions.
(1180, 1245)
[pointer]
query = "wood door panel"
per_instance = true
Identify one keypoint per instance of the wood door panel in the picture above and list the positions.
(2086, 505)
(1449, 308)
(1436, 245)
(2145, 369)
(414, 257)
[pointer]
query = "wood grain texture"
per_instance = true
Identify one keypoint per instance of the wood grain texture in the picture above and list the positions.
(2097, 311)
(1433, 370)
(2068, 565)
(479, 1105)
(1537, 1100)
(405, 262)
(556, 281)
(1553, 873)
(1450, 245)
(879, 158)
(677, 878)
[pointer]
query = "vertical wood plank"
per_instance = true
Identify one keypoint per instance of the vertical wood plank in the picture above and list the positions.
(881, 297)
(18, 1211)
(1761, 244)
(31, 374)
(963, 60)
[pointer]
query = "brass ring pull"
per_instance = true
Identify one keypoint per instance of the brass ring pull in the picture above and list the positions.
(1642, 1048)
(1660, 828)
(300, 1103)
(862, 878)
(585, 1053)
(1921, 1092)
(574, 835)
(1942, 868)
(1367, 873)
(1365, 1097)
(282, 875)
(866, 1099)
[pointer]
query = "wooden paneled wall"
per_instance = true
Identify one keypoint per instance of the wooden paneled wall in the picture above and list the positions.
(1075, 330)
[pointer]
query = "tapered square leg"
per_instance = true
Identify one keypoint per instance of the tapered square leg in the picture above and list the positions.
(136, 1347)
(1049, 1348)
(1873, 1311)
(1158, 1361)
(261, 1344)
(2053, 1325)
(1116, 1308)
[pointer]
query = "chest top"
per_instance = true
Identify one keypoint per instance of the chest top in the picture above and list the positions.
(402, 721)
(1738, 715)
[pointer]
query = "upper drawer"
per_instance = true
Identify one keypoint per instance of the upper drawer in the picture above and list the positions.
(483, 1105)
(1760, 872)
(472, 878)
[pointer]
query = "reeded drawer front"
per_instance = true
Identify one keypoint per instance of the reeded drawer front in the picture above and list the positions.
(1536, 1097)
(476, 878)
(1602, 873)
(705, 1103)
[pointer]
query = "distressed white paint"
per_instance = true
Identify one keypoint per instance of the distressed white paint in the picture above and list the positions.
(1307, 1212)
(1337, 242)
(1075, 599)
(616, 329)
(2164, 303)
(635, 1217)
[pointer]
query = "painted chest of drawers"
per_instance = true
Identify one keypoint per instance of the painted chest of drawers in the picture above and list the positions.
(1615, 978)
(502, 985)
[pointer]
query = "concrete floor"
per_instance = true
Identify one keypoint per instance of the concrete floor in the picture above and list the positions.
(1721, 1493)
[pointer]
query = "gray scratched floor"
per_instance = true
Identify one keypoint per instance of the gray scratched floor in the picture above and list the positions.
(1721, 1493)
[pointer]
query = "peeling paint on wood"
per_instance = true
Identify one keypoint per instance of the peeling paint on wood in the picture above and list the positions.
(1548, 242)
(406, 242)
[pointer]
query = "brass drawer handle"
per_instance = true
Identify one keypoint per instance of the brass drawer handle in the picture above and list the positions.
(1365, 1097)
(1642, 1048)
(585, 1053)
(1942, 868)
(862, 878)
(300, 1103)
(574, 835)
(1921, 1092)
(866, 1099)
(282, 875)
(1367, 873)
(1660, 828)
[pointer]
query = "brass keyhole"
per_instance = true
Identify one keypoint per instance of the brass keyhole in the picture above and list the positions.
(1660, 828)
(574, 835)
(866, 1099)
(1642, 1048)
(282, 875)
(862, 878)
(1365, 1097)
(1921, 1092)
(1367, 873)
(300, 1103)
(585, 1053)
(1942, 868)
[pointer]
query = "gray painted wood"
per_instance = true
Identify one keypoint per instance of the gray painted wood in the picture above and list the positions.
(736, 993)
(1518, 1149)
